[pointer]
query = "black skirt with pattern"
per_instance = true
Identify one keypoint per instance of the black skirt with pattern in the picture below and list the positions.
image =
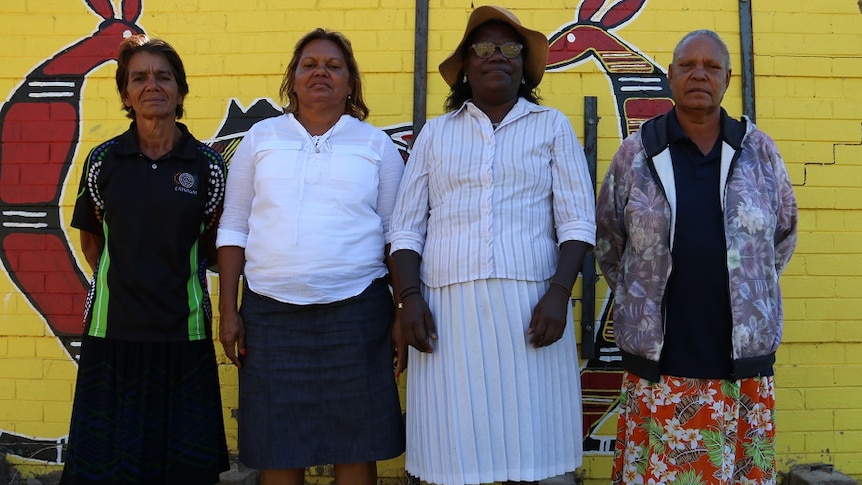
(146, 413)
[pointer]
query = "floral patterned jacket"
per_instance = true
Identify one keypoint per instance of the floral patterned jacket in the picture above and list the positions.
(635, 218)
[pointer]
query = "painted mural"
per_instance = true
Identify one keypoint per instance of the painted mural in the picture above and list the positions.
(40, 125)
(639, 86)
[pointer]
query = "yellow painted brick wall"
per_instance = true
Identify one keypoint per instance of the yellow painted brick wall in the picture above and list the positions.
(808, 98)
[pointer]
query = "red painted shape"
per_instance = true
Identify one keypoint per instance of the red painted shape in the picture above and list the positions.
(601, 389)
(41, 264)
(587, 9)
(90, 53)
(580, 40)
(35, 150)
(621, 12)
(132, 10)
(102, 7)
(647, 107)
(638, 110)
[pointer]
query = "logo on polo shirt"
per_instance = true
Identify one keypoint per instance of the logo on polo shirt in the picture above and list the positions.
(186, 182)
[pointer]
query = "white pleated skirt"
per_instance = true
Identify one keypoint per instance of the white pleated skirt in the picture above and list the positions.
(486, 406)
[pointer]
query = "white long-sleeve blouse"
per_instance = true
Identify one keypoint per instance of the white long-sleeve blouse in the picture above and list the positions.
(312, 213)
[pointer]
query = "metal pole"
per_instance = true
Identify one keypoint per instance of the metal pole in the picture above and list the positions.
(588, 269)
(420, 67)
(746, 33)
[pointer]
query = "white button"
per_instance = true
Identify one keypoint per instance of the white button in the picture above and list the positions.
(155, 166)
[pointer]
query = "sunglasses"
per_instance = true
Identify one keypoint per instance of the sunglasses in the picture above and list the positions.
(510, 50)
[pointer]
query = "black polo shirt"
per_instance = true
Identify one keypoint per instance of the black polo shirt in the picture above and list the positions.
(698, 324)
(157, 218)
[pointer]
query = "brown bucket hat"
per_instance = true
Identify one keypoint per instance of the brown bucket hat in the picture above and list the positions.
(536, 44)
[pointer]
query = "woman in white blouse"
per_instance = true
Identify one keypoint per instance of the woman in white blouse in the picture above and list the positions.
(493, 218)
(307, 208)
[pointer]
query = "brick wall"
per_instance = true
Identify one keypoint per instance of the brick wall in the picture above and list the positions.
(808, 94)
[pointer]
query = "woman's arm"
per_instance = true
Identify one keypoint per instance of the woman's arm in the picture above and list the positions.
(549, 319)
(787, 214)
(409, 224)
(92, 245)
(399, 341)
(573, 210)
(611, 233)
(416, 321)
(231, 331)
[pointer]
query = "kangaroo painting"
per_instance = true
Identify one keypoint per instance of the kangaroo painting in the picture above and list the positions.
(640, 87)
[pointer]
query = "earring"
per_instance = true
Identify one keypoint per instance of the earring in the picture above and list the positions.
(523, 81)
(465, 79)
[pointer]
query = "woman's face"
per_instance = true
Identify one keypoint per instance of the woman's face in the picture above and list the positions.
(698, 76)
(151, 88)
(496, 76)
(322, 76)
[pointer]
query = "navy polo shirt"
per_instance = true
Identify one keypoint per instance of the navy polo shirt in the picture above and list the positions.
(157, 218)
(698, 323)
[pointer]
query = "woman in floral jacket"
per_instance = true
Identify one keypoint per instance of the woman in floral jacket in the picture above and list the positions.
(696, 221)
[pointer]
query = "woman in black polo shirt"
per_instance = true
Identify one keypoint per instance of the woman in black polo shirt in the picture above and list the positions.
(147, 407)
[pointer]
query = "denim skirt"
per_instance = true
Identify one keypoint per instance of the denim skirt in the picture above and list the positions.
(317, 385)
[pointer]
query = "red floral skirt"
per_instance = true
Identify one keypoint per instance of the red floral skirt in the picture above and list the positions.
(695, 431)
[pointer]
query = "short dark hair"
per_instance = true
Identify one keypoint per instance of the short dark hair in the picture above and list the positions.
(707, 33)
(462, 91)
(141, 43)
(355, 105)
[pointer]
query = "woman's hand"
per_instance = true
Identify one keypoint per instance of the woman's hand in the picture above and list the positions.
(417, 323)
(549, 317)
(92, 245)
(232, 337)
(231, 328)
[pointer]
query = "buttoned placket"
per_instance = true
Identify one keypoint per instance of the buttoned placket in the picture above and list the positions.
(489, 135)
(486, 194)
(310, 173)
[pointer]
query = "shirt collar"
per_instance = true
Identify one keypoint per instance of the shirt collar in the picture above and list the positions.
(184, 149)
(674, 130)
(522, 108)
(676, 134)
